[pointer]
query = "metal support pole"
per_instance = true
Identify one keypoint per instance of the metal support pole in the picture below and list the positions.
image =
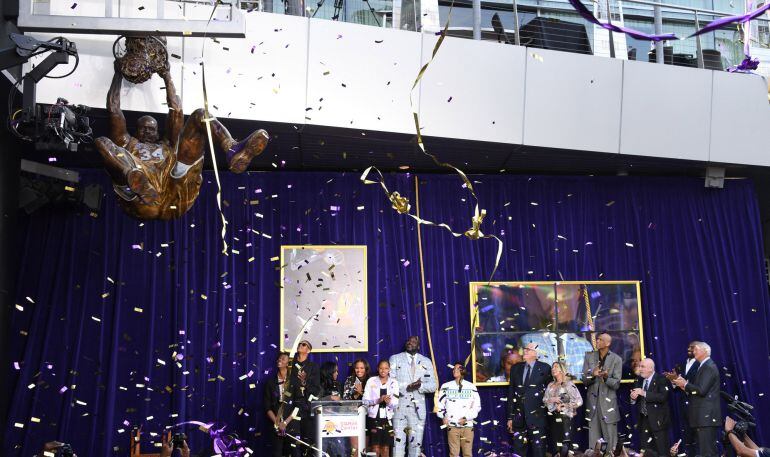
(9, 207)
(698, 48)
(516, 38)
(476, 19)
(609, 21)
(659, 58)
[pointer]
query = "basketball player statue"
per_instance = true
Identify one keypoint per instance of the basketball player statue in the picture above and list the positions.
(159, 178)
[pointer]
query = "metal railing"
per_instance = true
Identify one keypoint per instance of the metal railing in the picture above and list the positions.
(554, 24)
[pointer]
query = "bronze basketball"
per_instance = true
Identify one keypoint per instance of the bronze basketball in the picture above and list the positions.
(143, 57)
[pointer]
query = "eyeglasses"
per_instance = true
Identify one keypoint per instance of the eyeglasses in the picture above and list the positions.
(304, 344)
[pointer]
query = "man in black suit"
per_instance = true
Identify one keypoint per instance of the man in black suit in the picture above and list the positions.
(650, 394)
(527, 415)
(703, 409)
(305, 382)
(690, 368)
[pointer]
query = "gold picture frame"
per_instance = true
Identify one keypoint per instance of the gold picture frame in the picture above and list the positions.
(473, 289)
(329, 326)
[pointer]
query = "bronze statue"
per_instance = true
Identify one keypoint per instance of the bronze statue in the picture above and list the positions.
(159, 178)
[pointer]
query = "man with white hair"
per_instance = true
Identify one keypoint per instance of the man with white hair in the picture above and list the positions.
(703, 409)
(527, 414)
(650, 394)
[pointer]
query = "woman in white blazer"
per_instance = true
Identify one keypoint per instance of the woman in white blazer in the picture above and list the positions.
(380, 397)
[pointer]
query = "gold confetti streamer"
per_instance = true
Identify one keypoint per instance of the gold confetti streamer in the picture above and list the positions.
(207, 119)
(589, 315)
(402, 206)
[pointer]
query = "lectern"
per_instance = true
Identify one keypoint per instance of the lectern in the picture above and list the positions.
(340, 427)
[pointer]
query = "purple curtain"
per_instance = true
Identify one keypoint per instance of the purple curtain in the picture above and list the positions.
(124, 323)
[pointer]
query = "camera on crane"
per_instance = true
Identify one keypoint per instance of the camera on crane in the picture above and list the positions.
(57, 127)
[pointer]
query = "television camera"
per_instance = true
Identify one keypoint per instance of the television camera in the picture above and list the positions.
(743, 417)
(52, 128)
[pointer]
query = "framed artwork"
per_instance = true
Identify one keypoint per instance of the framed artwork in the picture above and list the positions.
(323, 297)
(562, 318)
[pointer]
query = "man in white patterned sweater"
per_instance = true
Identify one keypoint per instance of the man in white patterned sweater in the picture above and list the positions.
(414, 373)
(458, 406)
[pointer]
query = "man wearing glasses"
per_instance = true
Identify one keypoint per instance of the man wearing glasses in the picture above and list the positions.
(527, 414)
(306, 386)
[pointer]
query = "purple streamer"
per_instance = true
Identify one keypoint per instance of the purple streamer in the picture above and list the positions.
(588, 16)
(716, 24)
(225, 444)
(748, 64)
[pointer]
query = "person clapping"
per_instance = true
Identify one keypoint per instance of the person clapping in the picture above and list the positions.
(562, 399)
(458, 406)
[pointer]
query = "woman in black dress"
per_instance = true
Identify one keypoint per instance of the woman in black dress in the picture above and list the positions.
(281, 421)
(330, 387)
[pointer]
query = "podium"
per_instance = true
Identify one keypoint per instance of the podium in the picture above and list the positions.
(340, 427)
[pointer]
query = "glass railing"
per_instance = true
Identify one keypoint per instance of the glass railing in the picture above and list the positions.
(554, 24)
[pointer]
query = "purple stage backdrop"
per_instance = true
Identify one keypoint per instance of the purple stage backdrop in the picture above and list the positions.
(121, 323)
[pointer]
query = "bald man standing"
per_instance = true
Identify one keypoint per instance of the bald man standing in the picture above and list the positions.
(602, 370)
(650, 395)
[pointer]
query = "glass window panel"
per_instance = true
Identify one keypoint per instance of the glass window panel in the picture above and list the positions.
(512, 315)
(514, 308)
(625, 344)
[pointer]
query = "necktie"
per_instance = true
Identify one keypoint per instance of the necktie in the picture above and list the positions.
(526, 376)
(414, 367)
(646, 384)
(643, 401)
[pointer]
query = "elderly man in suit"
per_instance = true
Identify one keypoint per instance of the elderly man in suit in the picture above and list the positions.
(602, 371)
(650, 394)
(527, 414)
(704, 413)
(415, 376)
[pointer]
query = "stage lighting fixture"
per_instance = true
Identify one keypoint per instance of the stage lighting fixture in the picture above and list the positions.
(35, 192)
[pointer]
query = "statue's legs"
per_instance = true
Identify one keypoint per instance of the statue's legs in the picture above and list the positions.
(127, 174)
(193, 141)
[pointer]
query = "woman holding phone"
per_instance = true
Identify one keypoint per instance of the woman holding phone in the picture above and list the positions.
(354, 384)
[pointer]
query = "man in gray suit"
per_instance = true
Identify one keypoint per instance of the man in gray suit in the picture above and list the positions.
(414, 373)
(602, 371)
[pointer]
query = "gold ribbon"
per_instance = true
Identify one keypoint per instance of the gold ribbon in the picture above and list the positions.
(474, 232)
(424, 293)
(207, 119)
(401, 204)
(589, 316)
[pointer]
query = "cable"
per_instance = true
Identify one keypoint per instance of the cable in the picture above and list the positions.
(77, 62)
(60, 40)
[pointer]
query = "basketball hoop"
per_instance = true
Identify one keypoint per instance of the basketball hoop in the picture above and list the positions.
(139, 57)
